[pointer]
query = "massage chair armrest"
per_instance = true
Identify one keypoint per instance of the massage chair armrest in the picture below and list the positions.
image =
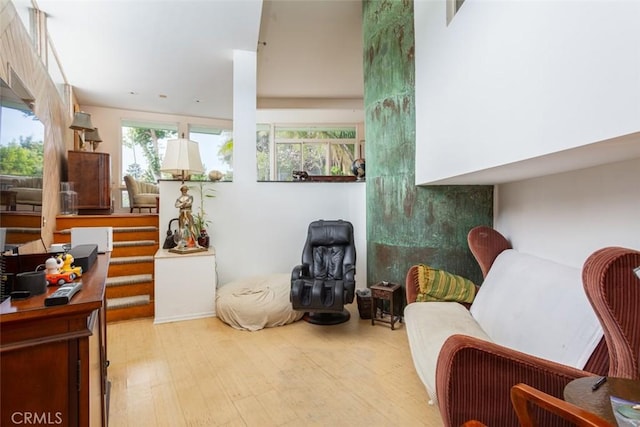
(300, 271)
(474, 379)
(349, 273)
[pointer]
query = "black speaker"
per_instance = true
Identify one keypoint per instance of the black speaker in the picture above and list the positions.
(84, 256)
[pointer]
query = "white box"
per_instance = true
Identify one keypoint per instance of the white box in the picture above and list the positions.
(101, 236)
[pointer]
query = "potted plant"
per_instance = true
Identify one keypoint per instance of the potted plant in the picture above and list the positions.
(200, 218)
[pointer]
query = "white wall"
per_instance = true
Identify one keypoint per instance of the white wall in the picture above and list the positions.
(510, 81)
(513, 80)
(566, 217)
(257, 227)
(261, 227)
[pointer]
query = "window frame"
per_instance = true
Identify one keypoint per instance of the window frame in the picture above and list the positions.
(212, 130)
(143, 124)
(274, 141)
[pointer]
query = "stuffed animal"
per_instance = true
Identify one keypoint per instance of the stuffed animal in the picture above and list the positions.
(52, 265)
(54, 274)
(67, 264)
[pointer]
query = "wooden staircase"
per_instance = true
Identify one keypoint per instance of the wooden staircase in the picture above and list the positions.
(22, 227)
(130, 281)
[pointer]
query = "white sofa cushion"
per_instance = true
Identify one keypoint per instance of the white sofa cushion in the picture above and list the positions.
(429, 324)
(538, 307)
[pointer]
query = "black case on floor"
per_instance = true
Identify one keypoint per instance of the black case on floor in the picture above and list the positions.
(84, 256)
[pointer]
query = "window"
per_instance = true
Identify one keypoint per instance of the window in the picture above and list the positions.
(143, 145)
(216, 149)
(263, 148)
(317, 150)
(21, 141)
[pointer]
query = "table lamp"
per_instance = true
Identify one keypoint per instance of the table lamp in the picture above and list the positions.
(81, 123)
(182, 158)
(93, 137)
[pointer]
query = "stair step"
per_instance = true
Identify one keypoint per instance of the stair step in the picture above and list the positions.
(134, 229)
(126, 286)
(126, 302)
(130, 313)
(130, 290)
(131, 265)
(134, 248)
(113, 220)
(20, 219)
(22, 234)
(133, 243)
(128, 280)
(120, 234)
(118, 229)
(130, 259)
(138, 234)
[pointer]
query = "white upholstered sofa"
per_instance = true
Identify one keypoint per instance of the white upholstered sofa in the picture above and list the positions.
(531, 322)
(28, 189)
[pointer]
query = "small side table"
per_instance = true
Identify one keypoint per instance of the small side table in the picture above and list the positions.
(185, 285)
(598, 401)
(385, 291)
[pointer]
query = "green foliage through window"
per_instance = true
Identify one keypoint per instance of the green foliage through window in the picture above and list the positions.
(24, 157)
(317, 150)
(142, 148)
(216, 149)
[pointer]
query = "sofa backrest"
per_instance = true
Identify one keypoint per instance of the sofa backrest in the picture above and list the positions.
(14, 181)
(486, 244)
(539, 307)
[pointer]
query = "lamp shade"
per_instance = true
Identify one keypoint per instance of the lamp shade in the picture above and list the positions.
(182, 157)
(92, 136)
(81, 121)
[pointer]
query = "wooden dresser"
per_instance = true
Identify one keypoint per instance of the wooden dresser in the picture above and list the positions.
(90, 173)
(53, 360)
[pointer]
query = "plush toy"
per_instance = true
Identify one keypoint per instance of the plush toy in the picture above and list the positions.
(67, 265)
(52, 265)
(54, 274)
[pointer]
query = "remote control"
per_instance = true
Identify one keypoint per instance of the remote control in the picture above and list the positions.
(64, 294)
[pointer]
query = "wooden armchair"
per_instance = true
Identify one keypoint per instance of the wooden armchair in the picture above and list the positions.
(522, 395)
(526, 398)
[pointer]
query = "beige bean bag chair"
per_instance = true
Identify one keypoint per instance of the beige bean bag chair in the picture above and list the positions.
(256, 302)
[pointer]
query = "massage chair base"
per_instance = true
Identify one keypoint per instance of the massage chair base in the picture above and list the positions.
(327, 318)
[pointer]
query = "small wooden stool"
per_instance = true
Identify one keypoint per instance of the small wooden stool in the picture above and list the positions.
(385, 291)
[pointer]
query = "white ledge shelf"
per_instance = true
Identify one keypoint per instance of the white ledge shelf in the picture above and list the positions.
(613, 150)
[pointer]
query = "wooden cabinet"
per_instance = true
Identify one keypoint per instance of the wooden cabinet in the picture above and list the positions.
(197, 294)
(90, 173)
(54, 359)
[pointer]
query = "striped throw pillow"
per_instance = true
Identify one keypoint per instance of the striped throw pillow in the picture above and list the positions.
(438, 285)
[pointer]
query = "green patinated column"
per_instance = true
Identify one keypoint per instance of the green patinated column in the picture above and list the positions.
(407, 224)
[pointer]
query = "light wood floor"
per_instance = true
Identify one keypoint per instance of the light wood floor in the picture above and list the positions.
(205, 373)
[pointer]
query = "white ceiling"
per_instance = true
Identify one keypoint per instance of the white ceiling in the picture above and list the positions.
(176, 56)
